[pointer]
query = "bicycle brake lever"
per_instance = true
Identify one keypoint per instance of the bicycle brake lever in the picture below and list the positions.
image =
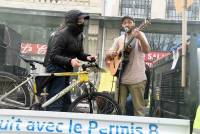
(85, 66)
(94, 65)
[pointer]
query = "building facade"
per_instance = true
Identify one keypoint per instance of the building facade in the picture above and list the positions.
(160, 9)
(35, 20)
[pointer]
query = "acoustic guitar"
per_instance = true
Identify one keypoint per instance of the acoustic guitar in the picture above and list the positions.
(113, 63)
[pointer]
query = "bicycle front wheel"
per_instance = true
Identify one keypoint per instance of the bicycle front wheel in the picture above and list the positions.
(19, 98)
(97, 103)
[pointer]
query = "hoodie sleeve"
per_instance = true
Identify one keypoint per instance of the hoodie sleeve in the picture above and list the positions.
(82, 55)
(56, 51)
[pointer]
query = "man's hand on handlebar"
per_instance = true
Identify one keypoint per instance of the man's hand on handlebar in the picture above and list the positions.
(91, 58)
(75, 62)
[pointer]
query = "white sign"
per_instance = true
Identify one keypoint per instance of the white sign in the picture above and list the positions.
(22, 121)
(175, 59)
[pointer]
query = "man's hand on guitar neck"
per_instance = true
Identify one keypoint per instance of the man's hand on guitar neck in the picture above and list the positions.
(137, 34)
(143, 41)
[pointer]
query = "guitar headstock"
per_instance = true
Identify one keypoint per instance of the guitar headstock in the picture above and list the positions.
(144, 24)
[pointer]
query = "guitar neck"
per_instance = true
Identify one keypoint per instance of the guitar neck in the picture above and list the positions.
(129, 41)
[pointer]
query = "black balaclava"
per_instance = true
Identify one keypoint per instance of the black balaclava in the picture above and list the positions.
(71, 19)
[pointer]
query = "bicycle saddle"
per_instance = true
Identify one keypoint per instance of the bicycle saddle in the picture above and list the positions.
(31, 60)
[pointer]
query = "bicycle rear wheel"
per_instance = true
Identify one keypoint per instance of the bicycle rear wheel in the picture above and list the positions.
(18, 99)
(97, 103)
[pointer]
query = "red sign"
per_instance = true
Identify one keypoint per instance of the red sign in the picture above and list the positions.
(154, 56)
(34, 49)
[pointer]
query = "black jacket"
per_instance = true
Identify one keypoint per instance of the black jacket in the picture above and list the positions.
(66, 44)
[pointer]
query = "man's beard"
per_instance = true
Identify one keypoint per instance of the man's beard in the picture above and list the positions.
(127, 29)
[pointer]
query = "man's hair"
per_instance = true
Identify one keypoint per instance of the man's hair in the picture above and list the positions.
(127, 17)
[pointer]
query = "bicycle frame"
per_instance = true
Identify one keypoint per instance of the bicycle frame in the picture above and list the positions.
(83, 77)
(89, 101)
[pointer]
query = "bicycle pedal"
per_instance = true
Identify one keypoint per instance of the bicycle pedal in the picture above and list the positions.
(44, 94)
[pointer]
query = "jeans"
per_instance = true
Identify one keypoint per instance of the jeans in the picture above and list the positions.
(55, 86)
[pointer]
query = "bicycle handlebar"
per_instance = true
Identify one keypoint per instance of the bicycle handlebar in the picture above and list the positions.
(92, 65)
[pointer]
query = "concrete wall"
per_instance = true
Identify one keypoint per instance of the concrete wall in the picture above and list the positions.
(158, 9)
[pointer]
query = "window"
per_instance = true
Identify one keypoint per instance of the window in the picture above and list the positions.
(136, 8)
(193, 11)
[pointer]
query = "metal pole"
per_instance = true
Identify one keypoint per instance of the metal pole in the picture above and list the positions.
(103, 45)
(184, 36)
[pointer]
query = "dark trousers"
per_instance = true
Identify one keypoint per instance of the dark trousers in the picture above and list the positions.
(129, 106)
(55, 86)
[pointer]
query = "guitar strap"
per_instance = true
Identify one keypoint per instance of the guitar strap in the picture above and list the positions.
(130, 44)
(133, 43)
(126, 58)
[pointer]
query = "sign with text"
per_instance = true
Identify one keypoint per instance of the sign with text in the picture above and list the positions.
(34, 49)
(24, 121)
(154, 56)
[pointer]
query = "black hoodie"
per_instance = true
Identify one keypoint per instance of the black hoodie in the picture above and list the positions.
(66, 43)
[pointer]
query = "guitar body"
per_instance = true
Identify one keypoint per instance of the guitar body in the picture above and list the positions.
(113, 64)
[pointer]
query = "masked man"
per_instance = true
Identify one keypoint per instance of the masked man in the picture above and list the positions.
(65, 50)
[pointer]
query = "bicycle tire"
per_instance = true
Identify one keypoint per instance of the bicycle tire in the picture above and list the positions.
(7, 82)
(108, 107)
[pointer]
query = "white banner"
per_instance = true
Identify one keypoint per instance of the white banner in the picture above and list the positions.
(25, 122)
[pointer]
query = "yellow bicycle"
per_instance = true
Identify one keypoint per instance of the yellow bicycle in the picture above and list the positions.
(27, 94)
